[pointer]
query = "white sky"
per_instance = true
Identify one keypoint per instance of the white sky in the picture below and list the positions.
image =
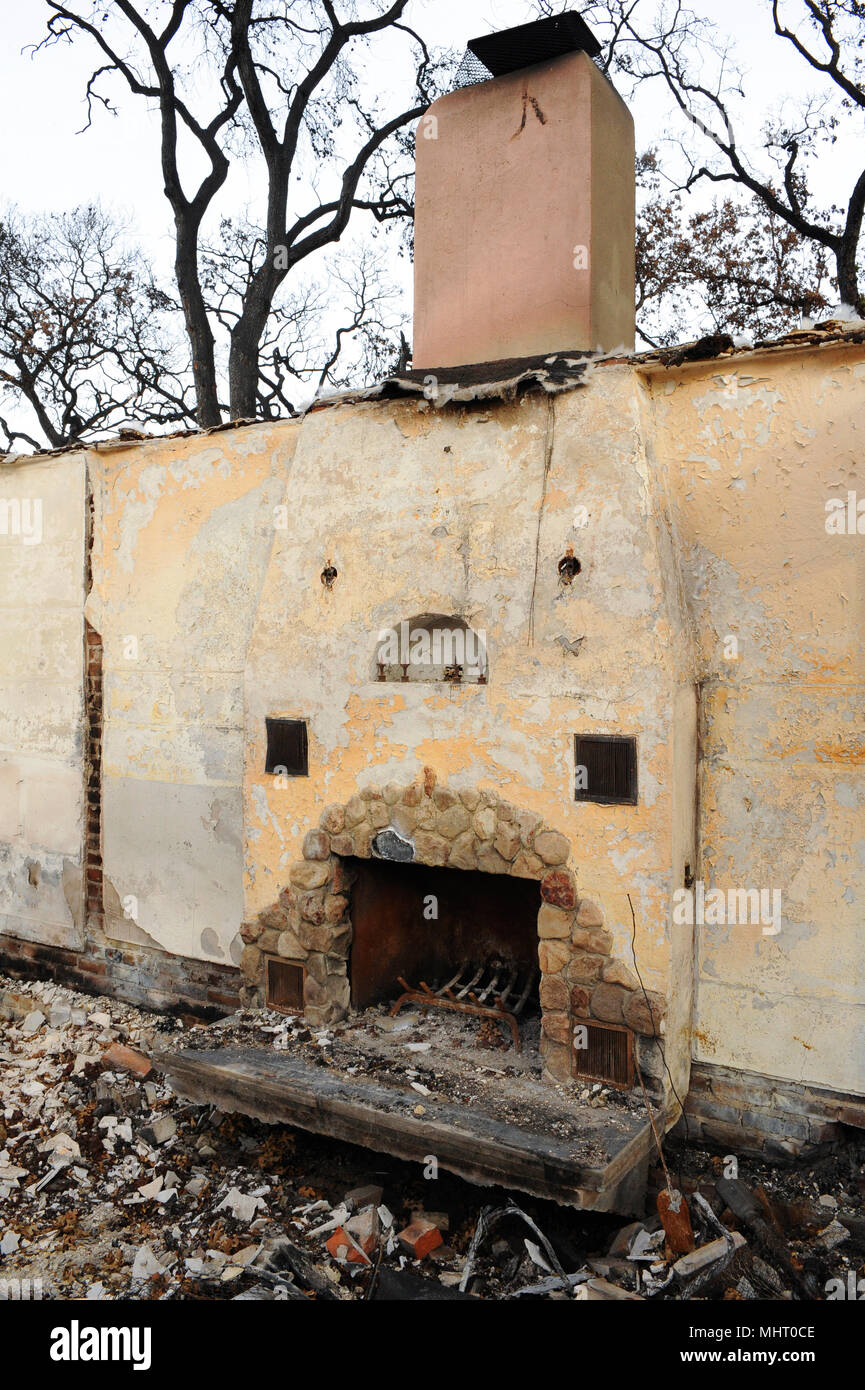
(46, 166)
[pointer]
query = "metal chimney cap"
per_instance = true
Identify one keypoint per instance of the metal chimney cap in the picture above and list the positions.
(539, 42)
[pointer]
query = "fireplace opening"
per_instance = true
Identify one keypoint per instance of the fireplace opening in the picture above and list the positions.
(420, 927)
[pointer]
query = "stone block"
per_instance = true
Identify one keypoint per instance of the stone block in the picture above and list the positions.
(310, 874)
(250, 963)
(558, 1059)
(637, 1013)
(553, 956)
(557, 1027)
(583, 968)
(551, 847)
(607, 1002)
(444, 798)
(589, 915)
(316, 845)
(274, 918)
(332, 820)
(431, 849)
(616, 973)
(527, 865)
(507, 840)
(355, 810)
(335, 908)
(289, 945)
(528, 823)
(312, 908)
(554, 922)
(343, 877)
(580, 998)
(599, 942)
(453, 822)
(554, 993)
(491, 862)
(463, 854)
(559, 887)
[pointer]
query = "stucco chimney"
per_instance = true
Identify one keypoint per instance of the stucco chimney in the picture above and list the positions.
(524, 221)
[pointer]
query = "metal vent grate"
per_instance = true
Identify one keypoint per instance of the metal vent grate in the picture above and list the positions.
(470, 71)
(606, 769)
(283, 985)
(608, 1054)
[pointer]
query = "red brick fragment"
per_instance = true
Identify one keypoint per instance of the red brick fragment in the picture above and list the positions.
(127, 1059)
(420, 1238)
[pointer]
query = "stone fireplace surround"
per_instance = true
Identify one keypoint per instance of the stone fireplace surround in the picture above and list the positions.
(310, 924)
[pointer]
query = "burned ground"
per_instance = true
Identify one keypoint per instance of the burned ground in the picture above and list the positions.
(113, 1187)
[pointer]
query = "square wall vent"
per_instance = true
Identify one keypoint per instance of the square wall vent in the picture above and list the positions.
(608, 1054)
(605, 769)
(287, 747)
(283, 985)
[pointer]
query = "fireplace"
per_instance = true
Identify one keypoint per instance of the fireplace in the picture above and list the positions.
(418, 923)
(416, 881)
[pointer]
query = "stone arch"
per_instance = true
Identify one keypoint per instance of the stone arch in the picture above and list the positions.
(310, 924)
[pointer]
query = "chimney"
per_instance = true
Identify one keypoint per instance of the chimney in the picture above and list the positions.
(524, 220)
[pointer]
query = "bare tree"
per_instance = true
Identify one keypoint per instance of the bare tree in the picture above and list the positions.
(287, 87)
(665, 42)
(728, 268)
(85, 333)
(317, 336)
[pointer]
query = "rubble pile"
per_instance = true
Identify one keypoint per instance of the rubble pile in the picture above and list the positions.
(113, 1187)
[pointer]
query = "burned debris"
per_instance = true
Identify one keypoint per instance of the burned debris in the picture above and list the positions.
(113, 1186)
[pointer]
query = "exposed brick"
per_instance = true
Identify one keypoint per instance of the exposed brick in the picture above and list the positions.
(127, 1059)
(420, 1238)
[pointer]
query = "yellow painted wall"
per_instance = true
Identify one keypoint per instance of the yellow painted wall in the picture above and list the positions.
(184, 528)
(753, 448)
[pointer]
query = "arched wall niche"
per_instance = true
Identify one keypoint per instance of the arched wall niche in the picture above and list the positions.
(429, 648)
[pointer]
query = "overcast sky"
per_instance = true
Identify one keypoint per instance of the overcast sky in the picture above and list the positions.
(47, 166)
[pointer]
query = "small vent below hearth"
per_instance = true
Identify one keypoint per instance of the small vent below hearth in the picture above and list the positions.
(283, 984)
(608, 1054)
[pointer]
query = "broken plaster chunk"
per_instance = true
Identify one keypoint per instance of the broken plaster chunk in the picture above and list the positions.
(32, 1023)
(698, 1260)
(145, 1264)
(161, 1130)
(242, 1205)
(833, 1235)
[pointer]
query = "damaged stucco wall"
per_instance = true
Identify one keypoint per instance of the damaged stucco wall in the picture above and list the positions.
(694, 497)
(184, 528)
(753, 449)
(449, 511)
(43, 518)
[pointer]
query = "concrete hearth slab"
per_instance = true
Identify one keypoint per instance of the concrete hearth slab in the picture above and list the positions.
(602, 1169)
